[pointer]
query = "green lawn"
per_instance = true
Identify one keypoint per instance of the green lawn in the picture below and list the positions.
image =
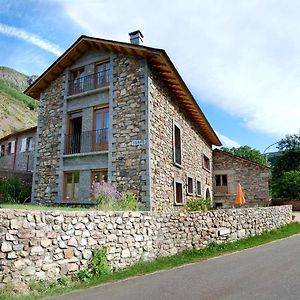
(42, 289)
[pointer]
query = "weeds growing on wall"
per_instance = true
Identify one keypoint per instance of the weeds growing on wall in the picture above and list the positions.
(12, 190)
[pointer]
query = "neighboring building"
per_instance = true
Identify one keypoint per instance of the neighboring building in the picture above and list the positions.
(119, 111)
(17, 150)
(229, 169)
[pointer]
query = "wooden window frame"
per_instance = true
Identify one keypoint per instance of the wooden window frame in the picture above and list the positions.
(65, 185)
(204, 159)
(221, 189)
(103, 146)
(198, 181)
(178, 181)
(2, 150)
(189, 179)
(97, 170)
(101, 62)
(176, 163)
(9, 145)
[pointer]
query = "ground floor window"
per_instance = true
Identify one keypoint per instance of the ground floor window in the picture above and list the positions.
(99, 175)
(190, 186)
(198, 187)
(178, 192)
(71, 185)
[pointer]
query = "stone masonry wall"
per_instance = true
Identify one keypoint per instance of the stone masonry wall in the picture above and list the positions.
(129, 135)
(51, 244)
(164, 111)
(252, 177)
(48, 146)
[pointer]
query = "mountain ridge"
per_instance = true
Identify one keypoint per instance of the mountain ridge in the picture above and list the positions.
(17, 110)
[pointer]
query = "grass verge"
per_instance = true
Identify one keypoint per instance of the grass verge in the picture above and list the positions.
(46, 208)
(39, 289)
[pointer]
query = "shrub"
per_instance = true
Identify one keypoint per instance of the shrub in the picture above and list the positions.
(12, 190)
(128, 201)
(198, 204)
(107, 197)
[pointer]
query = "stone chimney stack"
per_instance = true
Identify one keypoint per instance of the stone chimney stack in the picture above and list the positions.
(136, 37)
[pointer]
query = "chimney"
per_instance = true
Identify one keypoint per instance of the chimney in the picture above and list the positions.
(136, 37)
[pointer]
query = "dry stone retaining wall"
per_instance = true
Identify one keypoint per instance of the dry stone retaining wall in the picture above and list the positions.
(51, 244)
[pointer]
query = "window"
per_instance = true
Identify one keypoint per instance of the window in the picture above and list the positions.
(71, 185)
(190, 186)
(9, 148)
(178, 192)
(198, 187)
(99, 175)
(102, 73)
(177, 145)
(28, 143)
(76, 81)
(101, 123)
(221, 183)
(206, 162)
(74, 136)
(2, 153)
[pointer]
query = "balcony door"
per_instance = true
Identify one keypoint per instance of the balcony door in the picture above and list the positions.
(102, 74)
(101, 123)
(76, 81)
(75, 133)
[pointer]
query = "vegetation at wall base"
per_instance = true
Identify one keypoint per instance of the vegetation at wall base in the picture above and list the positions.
(38, 289)
(13, 190)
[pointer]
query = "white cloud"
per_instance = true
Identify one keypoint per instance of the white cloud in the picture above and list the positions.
(227, 142)
(30, 38)
(242, 56)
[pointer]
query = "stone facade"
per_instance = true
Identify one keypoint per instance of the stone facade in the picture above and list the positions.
(164, 113)
(20, 156)
(129, 138)
(139, 155)
(48, 144)
(52, 244)
(253, 178)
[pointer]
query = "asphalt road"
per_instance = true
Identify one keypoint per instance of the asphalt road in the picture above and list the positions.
(271, 271)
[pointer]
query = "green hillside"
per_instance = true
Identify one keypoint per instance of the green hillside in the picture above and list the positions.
(17, 111)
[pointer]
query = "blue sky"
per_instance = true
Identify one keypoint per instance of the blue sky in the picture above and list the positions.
(240, 58)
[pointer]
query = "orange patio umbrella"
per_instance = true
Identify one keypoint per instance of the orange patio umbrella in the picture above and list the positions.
(240, 198)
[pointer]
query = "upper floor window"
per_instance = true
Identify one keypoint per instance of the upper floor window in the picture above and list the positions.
(206, 162)
(29, 144)
(77, 81)
(177, 147)
(102, 73)
(101, 123)
(221, 183)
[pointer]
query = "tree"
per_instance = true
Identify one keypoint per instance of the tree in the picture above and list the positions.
(285, 180)
(248, 153)
(291, 141)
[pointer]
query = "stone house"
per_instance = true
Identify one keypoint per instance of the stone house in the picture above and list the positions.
(17, 151)
(229, 169)
(119, 111)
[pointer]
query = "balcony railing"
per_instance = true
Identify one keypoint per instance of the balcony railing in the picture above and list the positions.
(87, 141)
(89, 82)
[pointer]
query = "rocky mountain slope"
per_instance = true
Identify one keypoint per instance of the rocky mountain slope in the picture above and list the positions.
(17, 111)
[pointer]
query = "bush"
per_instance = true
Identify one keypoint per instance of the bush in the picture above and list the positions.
(12, 190)
(107, 197)
(198, 204)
